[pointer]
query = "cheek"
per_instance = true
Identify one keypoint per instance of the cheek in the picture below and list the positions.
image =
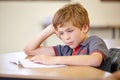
(75, 35)
(62, 38)
(78, 37)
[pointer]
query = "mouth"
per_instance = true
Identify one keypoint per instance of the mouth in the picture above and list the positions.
(70, 43)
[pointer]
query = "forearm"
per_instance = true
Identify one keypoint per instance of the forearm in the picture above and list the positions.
(83, 60)
(37, 41)
(80, 60)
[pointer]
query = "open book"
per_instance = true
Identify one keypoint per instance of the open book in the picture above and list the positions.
(26, 63)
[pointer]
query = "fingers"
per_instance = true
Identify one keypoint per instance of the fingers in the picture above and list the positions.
(39, 59)
(35, 58)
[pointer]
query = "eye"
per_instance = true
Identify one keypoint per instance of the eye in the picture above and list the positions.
(61, 33)
(70, 30)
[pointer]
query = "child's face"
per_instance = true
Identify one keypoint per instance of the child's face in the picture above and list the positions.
(71, 35)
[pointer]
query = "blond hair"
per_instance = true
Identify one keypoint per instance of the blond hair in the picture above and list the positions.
(75, 13)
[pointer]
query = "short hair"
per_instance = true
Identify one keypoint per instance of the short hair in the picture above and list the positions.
(73, 12)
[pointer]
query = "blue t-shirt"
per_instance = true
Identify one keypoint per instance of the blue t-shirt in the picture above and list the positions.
(92, 44)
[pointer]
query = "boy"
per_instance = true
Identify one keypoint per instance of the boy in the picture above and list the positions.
(70, 24)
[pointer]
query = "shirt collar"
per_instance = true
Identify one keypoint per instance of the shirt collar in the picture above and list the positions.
(84, 43)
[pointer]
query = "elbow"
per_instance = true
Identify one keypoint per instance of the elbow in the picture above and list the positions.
(96, 60)
(26, 51)
(96, 63)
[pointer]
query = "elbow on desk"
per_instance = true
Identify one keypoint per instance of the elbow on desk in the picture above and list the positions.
(26, 51)
(96, 63)
(92, 63)
(96, 60)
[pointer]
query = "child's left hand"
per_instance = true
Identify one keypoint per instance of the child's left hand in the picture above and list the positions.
(44, 59)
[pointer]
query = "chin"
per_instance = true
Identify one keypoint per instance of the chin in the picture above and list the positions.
(72, 47)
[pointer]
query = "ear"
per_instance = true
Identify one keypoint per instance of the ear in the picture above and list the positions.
(85, 28)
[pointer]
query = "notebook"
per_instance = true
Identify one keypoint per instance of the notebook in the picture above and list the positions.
(26, 63)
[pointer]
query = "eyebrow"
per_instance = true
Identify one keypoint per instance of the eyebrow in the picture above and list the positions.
(66, 29)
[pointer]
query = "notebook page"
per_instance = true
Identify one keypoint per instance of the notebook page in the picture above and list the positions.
(26, 63)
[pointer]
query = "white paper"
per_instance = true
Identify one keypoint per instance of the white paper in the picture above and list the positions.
(26, 63)
(107, 74)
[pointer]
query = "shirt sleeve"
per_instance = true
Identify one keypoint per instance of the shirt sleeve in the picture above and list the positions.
(97, 44)
(62, 50)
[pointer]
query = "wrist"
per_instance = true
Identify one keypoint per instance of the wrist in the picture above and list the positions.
(57, 60)
(50, 29)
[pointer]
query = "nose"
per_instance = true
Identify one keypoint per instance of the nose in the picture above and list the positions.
(66, 36)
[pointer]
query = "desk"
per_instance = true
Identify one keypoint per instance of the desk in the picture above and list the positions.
(9, 70)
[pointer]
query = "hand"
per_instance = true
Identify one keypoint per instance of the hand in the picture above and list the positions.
(44, 59)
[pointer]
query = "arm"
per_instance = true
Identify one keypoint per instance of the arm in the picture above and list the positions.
(34, 48)
(94, 59)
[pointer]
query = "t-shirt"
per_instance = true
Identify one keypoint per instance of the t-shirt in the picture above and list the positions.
(92, 44)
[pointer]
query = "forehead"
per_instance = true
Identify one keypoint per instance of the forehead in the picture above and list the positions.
(65, 25)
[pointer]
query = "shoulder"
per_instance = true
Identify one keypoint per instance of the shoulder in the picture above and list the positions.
(96, 43)
(94, 38)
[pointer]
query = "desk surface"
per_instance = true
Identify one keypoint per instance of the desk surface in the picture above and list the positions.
(9, 70)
